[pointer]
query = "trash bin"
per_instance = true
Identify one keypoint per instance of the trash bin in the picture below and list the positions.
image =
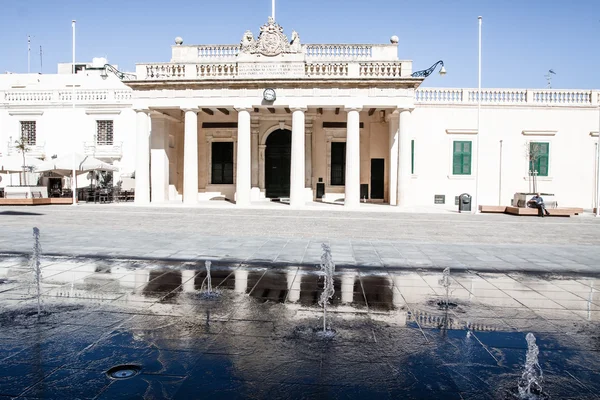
(464, 202)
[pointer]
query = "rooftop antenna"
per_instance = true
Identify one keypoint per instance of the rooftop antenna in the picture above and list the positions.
(28, 53)
(548, 77)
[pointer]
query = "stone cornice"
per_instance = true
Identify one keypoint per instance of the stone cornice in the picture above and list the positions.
(402, 83)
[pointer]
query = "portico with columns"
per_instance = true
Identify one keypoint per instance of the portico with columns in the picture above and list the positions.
(275, 119)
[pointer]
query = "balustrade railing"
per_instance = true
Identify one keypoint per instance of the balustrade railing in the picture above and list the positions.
(380, 70)
(326, 69)
(221, 70)
(339, 51)
(32, 150)
(66, 96)
(538, 97)
(29, 96)
(165, 71)
(103, 149)
(218, 51)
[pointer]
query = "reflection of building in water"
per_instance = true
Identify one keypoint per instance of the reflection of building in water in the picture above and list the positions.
(386, 296)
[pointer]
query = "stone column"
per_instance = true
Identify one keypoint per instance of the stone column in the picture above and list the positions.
(255, 128)
(298, 158)
(393, 166)
(244, 167)
(241, 281)
(294, 281)
(347, 288)
(190, 157)
(188, 281)
(352, 199)
(308, 155)
(159, 160)
(404, 157)
(261, 166)
(142, 159)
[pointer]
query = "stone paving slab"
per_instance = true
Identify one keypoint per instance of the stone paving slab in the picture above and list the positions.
(376, 239)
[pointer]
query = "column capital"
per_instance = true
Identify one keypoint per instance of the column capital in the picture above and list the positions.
(144, 110)
(353, 108)
(298, 108)
(193, 109)
(243, 107)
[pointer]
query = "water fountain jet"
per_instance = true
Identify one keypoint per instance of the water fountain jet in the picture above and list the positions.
(530, 383)
(445, 282)
(328, 267)
(36, 268)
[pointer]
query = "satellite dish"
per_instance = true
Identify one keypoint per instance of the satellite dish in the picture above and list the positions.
(0, 179)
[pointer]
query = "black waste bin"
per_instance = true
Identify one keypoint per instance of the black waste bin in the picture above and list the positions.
(464, 202)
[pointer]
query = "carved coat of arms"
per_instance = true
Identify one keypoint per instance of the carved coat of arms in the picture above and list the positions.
(271, 41)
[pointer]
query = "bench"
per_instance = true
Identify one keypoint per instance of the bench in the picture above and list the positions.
(492, 209)
(554, 212)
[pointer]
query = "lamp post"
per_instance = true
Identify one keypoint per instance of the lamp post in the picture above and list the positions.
(598, 169)
(426, 72)
(74, 181)
(124, 76)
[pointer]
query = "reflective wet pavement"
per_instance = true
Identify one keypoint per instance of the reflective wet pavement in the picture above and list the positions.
(257, 339)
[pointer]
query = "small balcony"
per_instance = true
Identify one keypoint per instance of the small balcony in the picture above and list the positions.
(103, 150)
(37, 151)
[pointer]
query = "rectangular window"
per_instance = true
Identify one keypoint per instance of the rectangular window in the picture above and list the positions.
(539, 158)
(222, 163)
(28, 134)
(461, 158)
(104, 133)
(338, 163)
(412, 156)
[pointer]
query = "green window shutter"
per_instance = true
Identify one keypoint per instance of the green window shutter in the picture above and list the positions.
(412, 156)
(539, 157)
(461, 158)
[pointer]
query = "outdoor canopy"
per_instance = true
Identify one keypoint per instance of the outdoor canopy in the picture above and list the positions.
(14, 163)
(64, 165)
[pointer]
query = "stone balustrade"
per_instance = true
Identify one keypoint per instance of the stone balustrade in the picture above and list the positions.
(220, 52)
(103, 150)
(299, 70)
(538, 97)
(32, 150)
(65, 96)
(335, 52)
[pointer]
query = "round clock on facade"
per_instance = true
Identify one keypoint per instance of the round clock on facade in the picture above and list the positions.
(269, 94)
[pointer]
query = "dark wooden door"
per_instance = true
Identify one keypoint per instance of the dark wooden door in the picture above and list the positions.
(377, 176)
(277, 164)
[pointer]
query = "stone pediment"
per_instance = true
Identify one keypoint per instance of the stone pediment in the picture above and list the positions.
(271, 41)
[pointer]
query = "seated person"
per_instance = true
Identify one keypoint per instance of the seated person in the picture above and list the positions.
(538, 202)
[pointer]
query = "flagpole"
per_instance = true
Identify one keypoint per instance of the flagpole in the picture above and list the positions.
(273, 9)
(478, 126)
(74, 177)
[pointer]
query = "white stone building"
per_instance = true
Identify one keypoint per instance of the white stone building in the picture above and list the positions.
(274, 118)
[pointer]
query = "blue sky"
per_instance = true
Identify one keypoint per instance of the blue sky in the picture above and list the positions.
(522, 39)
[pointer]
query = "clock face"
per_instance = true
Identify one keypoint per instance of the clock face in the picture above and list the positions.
(269, 95)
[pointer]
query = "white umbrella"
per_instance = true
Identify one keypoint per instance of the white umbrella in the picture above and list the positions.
(14, 163)
(65, 165)
(74, 164)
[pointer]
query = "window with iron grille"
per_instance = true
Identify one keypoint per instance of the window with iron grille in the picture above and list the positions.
(104, 133)
(28, 132)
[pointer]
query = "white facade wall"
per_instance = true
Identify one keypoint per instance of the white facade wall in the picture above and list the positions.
(567, 129)
(569, 125)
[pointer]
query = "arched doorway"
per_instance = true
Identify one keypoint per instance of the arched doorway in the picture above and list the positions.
(277, 164)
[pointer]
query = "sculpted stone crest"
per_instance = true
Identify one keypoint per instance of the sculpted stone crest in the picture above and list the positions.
(271, 41)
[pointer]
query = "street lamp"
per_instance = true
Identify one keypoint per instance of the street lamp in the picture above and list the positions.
(426, 72)
(124, 76)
